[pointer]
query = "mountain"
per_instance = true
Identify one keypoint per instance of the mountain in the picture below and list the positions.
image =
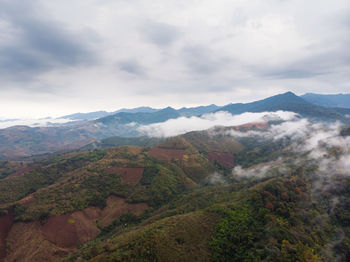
(242, 193)
(192, 111)
(141, 117)
(197, 111)
(86, 116)
(151, 116)
(142, 109)
(21, 142)
(100, 114)
(336, 100)
(289, 102)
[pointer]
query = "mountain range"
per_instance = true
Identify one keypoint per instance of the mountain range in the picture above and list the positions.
(272, 191)
(338, 100)
(99, 114)
(289, 102)
(22, 142)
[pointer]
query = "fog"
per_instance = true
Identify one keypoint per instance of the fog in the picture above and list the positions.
(315, 140)
(183, 125)
(4, 123)
(320, 143)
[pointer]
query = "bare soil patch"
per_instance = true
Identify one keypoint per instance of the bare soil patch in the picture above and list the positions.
(130, 175)
(20, 172)
(26, 243)
(166, 154)
(5, 226)
(67, 231)
(60, 235)
(116, 207)
(227, 160)
(71, 229)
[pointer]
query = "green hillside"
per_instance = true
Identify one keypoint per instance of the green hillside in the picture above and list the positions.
(178, 201)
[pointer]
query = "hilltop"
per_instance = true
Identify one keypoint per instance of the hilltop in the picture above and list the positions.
(289, 102)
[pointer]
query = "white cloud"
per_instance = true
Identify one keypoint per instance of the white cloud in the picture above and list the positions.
(4, 123)
(316, 141)
(187, 52)
(183, 125)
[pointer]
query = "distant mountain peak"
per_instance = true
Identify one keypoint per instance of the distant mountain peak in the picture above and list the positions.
(287, 102)
(169, 108)
(289, 93)
(281, 99)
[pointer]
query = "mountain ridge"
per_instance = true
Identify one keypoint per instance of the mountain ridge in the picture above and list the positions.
(23, 142)
(328, 100)
(287, 102)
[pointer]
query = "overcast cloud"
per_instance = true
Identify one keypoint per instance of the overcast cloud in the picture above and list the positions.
(60, 57)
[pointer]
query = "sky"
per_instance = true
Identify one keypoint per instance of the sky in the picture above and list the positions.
(67, 56)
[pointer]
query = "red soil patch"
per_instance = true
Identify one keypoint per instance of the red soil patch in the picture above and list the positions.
(70, 229)
(166, 154)
(5, 226)
(130, 175)
(67, 231)
(20, 172)
(60, 235)
(227, 160)
(27, 243)
(116, 207)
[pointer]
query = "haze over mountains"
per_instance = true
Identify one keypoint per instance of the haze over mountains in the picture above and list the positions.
(338, 100)
(21, 141)
(174, 131)
(99, 114)
(265, 186)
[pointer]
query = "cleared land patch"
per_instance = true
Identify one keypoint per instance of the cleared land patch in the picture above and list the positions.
(227, 160)
(71, 229)
(166, 154)
(20, 172)
(117, 206)
(5, 226)
(130, 175)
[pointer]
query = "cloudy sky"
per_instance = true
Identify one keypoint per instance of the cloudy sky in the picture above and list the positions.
(65, 56)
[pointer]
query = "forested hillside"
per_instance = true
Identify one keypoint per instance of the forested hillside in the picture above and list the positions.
(257, 192)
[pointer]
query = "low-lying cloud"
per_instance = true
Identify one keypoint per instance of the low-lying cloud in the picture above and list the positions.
(33, 122)
(183, 125)
(317, 142)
